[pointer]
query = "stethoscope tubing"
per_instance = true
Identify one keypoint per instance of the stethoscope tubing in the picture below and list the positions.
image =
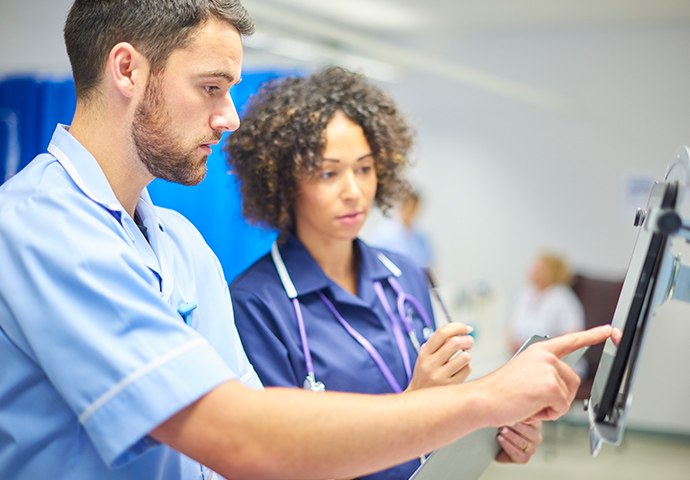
(401, 297)
(362, 340)
(397, 331)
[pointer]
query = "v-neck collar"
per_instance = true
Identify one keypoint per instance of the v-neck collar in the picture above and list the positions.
(308, 277)
(86, 173)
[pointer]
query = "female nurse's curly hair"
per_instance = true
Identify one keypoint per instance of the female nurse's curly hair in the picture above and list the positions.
(281, 140)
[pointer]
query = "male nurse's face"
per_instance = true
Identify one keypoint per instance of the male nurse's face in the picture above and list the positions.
(334, 203)
(187, 107)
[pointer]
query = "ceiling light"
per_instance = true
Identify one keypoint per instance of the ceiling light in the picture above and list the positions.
(369, 14)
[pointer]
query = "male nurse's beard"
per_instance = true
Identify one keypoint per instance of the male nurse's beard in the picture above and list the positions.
(156, 146)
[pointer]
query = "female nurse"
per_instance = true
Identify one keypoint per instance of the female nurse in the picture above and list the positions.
(324, 310)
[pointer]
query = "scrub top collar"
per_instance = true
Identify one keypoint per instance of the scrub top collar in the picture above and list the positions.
(87, 174)
(83, 168)
(308, 277)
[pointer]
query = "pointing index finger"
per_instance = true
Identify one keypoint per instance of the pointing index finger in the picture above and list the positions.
(568, 343)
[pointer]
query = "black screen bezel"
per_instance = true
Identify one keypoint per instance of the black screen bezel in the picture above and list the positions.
(612, 403)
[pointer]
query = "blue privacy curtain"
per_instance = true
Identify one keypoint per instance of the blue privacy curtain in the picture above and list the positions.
(29, 109)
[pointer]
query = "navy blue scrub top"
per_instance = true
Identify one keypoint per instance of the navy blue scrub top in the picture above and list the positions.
(267, 324)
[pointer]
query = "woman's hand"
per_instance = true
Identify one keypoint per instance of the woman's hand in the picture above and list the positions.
(444, 359)
(519, 442)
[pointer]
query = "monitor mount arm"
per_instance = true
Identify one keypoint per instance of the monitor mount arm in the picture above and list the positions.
(668, 221)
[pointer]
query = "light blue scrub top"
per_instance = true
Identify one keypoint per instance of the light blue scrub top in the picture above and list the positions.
(267, 323)
(94, 354)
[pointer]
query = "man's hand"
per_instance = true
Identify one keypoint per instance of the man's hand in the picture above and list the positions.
(537, 385)
(444, 359)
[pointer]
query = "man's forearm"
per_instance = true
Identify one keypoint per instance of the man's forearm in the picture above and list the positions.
(290, 433)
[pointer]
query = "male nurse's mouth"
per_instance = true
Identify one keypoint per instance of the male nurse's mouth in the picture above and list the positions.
(206, 147)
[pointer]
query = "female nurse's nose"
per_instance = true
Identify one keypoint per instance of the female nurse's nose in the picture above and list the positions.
(351, 188)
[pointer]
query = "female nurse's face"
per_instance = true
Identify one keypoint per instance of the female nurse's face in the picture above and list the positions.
(334, 203)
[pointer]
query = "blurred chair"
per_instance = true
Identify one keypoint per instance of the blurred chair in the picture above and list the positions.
(599, 298)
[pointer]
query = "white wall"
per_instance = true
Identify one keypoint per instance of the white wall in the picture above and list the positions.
(503, 178)
(31, 36)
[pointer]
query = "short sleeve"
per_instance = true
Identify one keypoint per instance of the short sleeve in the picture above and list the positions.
(78, 301)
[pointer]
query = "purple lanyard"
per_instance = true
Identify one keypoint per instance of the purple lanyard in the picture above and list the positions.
(375, 355)
(402, 297)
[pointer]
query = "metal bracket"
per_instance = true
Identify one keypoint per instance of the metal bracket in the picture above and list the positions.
(679, 281)
(663, 220)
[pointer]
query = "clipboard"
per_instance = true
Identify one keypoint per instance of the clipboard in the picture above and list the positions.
(465, 459)
(468, 457)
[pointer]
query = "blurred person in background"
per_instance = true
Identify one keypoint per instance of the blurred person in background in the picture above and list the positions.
(402, 234)
(547, 305)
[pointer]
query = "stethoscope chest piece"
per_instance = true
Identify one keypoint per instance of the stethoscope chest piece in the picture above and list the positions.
(310, 383)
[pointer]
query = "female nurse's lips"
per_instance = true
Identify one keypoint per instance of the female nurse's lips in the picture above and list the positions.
(351, 218)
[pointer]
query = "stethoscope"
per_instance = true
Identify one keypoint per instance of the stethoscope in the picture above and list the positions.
(406, 306)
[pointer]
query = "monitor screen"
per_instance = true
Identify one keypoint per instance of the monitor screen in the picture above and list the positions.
(648, 283)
